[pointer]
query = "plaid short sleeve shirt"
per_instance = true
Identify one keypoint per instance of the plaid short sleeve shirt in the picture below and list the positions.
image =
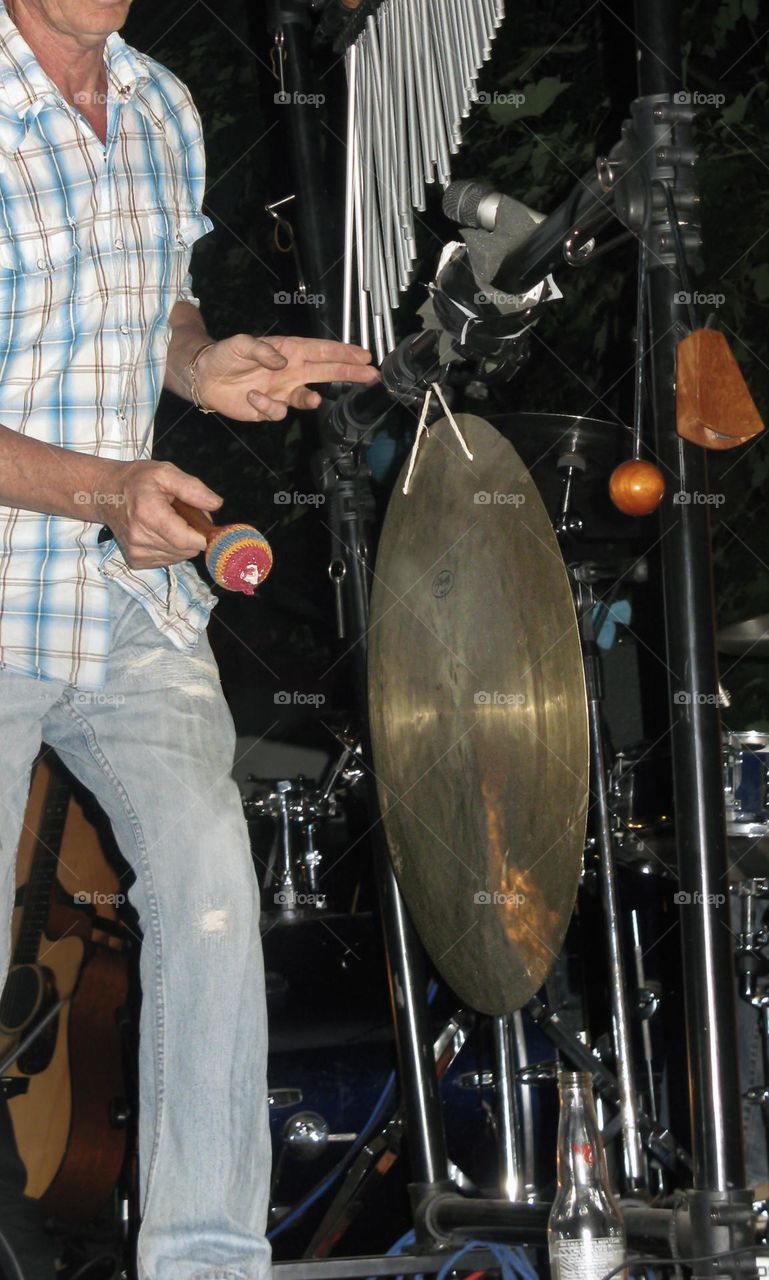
(95, 244)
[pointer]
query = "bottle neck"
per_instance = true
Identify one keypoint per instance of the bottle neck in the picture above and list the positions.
(581, 1160)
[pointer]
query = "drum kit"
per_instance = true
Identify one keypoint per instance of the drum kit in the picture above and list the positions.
(480, 750)
(541, 878)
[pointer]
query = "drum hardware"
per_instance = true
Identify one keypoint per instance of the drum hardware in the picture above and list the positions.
(538, 1073)
(745, 639)
(752, 965)
(746, 783)
(284, 1097)
(305, 1137)
(382, 1150)
(658, 1139)
(516, 1165)
(647, 1002)
(635, 1178)
(477, 1080)
(570, 465)
(298, 809)
(657, 121)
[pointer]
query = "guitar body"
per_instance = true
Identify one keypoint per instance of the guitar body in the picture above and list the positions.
(66, 1089)
(94, 1144)
(41, 1114)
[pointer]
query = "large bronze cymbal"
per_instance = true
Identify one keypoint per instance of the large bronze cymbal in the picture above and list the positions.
(478, 716)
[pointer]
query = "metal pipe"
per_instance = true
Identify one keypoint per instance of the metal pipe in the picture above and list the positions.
(708, 973)
(450, 1215)
(527, 1109)
(635, 1176)
(508, 1120)
(349, 193)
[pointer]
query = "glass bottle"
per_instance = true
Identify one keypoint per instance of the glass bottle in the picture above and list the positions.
(585, 1232)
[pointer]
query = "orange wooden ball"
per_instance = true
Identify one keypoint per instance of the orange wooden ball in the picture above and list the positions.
(636, 488)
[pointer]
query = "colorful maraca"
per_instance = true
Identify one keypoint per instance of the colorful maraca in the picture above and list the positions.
(237, 556)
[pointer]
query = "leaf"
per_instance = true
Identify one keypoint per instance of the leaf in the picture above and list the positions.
(760, 277)
(533, 100)
(735, 112)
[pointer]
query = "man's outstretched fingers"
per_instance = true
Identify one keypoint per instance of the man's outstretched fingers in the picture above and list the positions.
(266, 408)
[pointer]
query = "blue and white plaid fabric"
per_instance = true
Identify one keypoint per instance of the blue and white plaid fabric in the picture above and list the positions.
(95, 245)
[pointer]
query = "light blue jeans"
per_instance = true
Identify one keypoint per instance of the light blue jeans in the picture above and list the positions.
(156, 748)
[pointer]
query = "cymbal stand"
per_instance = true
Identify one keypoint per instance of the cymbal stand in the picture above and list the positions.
(345, 481)
(635, 1178)
(511, 1153)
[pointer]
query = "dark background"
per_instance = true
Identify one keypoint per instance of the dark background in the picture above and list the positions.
(576, 67)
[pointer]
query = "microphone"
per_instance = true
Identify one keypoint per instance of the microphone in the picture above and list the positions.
(474, 204)
(404, 375)
(538, 249)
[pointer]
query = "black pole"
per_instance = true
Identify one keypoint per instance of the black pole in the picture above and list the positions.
(662, 124)
(289, 23)
(346, 484)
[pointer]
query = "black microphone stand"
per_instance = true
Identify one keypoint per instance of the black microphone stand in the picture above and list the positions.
(719, 1204)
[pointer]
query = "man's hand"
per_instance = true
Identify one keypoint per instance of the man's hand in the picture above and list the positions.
(254, 380)
(147, 528)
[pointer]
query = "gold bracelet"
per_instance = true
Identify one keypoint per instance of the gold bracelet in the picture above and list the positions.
(191, 369)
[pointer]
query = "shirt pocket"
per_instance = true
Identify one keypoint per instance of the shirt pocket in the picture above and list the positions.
(31, 250)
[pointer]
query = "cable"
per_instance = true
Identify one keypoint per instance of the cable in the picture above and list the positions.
(11, 1254)
(331, 1177)
(512, 1260)
(682, 1262)
(321, 1187)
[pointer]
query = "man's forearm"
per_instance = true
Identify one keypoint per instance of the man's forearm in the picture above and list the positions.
(42, 477)
(188, 335)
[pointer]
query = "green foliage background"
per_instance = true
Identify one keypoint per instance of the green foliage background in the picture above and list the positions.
(576, 68)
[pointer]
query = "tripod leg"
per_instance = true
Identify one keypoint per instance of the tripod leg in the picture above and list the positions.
(634, 1170)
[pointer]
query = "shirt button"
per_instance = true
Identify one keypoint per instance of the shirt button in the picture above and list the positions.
(124, 328)
(119, 243)
(41, 264)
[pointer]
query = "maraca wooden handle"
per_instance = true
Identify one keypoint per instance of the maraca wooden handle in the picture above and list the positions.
(199, 521)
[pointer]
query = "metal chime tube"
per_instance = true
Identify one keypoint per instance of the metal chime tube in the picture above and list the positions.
(412, 73)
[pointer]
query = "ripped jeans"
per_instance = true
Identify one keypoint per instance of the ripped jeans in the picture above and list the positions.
(156, 747)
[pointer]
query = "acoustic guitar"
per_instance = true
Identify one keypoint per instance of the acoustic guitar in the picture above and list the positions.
(65, 1091)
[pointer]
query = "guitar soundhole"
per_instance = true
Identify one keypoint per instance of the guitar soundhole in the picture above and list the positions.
(21, 998)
